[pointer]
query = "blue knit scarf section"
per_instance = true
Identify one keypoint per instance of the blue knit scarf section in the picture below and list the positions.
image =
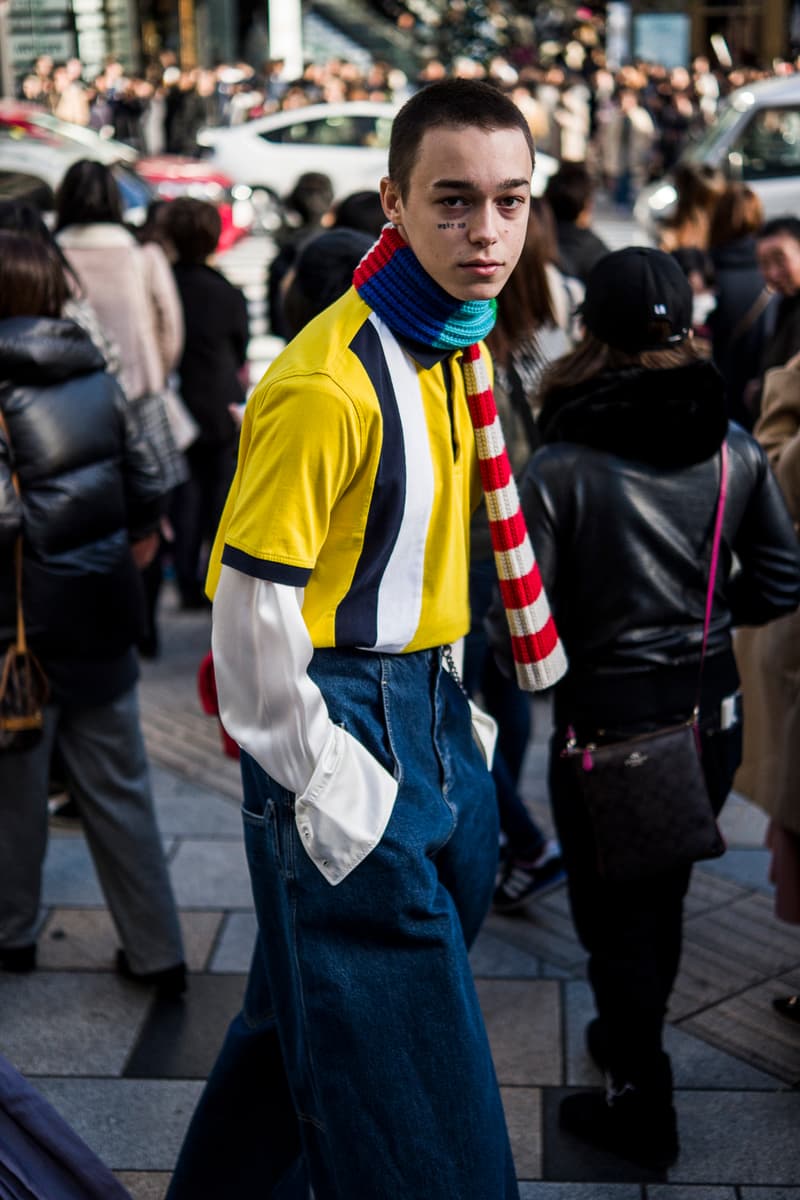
(392, 281)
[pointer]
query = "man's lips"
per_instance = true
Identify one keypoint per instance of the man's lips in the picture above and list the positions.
(481, 266)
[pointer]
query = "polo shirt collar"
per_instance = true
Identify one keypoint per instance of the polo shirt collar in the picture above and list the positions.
(426, 356)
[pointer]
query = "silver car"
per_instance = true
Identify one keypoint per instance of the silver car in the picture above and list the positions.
(755, 138)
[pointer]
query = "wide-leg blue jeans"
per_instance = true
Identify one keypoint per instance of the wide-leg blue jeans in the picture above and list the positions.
(360, 1060)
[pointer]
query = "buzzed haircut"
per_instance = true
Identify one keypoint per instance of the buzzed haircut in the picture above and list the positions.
(449, 103)
(778, 225)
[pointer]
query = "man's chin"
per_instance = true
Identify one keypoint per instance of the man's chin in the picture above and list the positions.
(481, 289)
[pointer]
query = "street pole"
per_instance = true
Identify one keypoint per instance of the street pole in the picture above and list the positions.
(6, 68)
(286, 34)
(188, 34)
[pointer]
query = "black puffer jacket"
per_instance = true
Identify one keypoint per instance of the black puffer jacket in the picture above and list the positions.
(89, 485)
(620, 504)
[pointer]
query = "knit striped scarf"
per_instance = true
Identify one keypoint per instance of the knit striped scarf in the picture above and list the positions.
(392, 281)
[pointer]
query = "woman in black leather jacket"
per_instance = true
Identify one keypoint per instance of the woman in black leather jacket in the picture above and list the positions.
(620, 504)
(90, 501)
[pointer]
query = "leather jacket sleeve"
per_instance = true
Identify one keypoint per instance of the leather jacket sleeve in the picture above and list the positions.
(144, 489)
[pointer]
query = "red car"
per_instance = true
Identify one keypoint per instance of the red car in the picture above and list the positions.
(170, 175)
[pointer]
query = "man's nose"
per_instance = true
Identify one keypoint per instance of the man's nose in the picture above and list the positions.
(483, 226)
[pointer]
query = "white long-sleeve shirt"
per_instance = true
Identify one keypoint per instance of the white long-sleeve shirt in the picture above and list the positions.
(274, 710)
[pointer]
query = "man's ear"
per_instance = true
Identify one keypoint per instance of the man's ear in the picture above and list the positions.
(391, 201)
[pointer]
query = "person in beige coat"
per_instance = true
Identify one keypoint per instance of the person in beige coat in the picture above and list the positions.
(769, 663)
(133, 292)
(130, 286)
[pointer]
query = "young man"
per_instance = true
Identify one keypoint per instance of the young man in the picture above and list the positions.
(360, 1061)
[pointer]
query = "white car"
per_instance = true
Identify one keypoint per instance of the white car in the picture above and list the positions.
(755, 138)
(348, 141)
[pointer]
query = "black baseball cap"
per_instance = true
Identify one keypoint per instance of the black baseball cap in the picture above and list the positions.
(637, 299)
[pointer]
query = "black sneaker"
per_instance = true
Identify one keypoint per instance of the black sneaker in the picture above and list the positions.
(169, 983)
(521, 881)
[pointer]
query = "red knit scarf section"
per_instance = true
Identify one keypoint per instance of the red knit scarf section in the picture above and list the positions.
(538, 654)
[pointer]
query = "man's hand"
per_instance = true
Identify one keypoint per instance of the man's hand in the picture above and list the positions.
(144, 551)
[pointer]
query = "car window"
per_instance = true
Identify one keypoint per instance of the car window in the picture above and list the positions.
(703, 147)
(344, 130)
(770, 144)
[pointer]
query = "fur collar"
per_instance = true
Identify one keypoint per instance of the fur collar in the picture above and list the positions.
(100, 235)
(668, 418)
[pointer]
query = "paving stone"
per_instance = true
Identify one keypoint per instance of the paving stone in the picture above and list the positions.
(670, 1191)
(69, 874)
(208, 873)
(132, 1124)
(181, 1040)
(145, 1185)
(58, 1023)
(787, 1193)
(492, 957)
(235, 945)
(543, 931)
(522, 1108)
(743, 823)
(579, 1191)
(578, 1012)
(747, 1025)
(729, 949)
(710, 971)
(750, 868)
(522, 1020)
(709, 891)
(80, 939)
(184, 808)
(738, 1138)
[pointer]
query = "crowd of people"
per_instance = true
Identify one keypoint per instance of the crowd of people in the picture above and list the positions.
(630, 123)
(361, 523)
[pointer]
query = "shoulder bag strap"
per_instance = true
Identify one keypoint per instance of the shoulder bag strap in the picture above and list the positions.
(749, 319)
(22, 641)
(712, 574)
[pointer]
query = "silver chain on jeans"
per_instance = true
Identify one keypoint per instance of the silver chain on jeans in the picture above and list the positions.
(450, 662)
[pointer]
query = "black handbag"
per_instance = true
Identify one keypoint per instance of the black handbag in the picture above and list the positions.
(647, 796)
(23, 685)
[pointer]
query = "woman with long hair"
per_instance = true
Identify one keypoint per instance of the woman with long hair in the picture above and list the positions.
(620, 504)
(132, 289)
(89, 503)
(744, 305)
(699, 189)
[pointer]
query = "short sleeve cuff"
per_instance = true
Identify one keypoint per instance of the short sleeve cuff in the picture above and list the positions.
(265, 568)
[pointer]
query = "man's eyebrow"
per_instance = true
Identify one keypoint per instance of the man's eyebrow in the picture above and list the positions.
(467, 185)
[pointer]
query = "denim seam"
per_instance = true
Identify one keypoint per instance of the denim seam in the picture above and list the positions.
(443, 759)
(388, 720)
